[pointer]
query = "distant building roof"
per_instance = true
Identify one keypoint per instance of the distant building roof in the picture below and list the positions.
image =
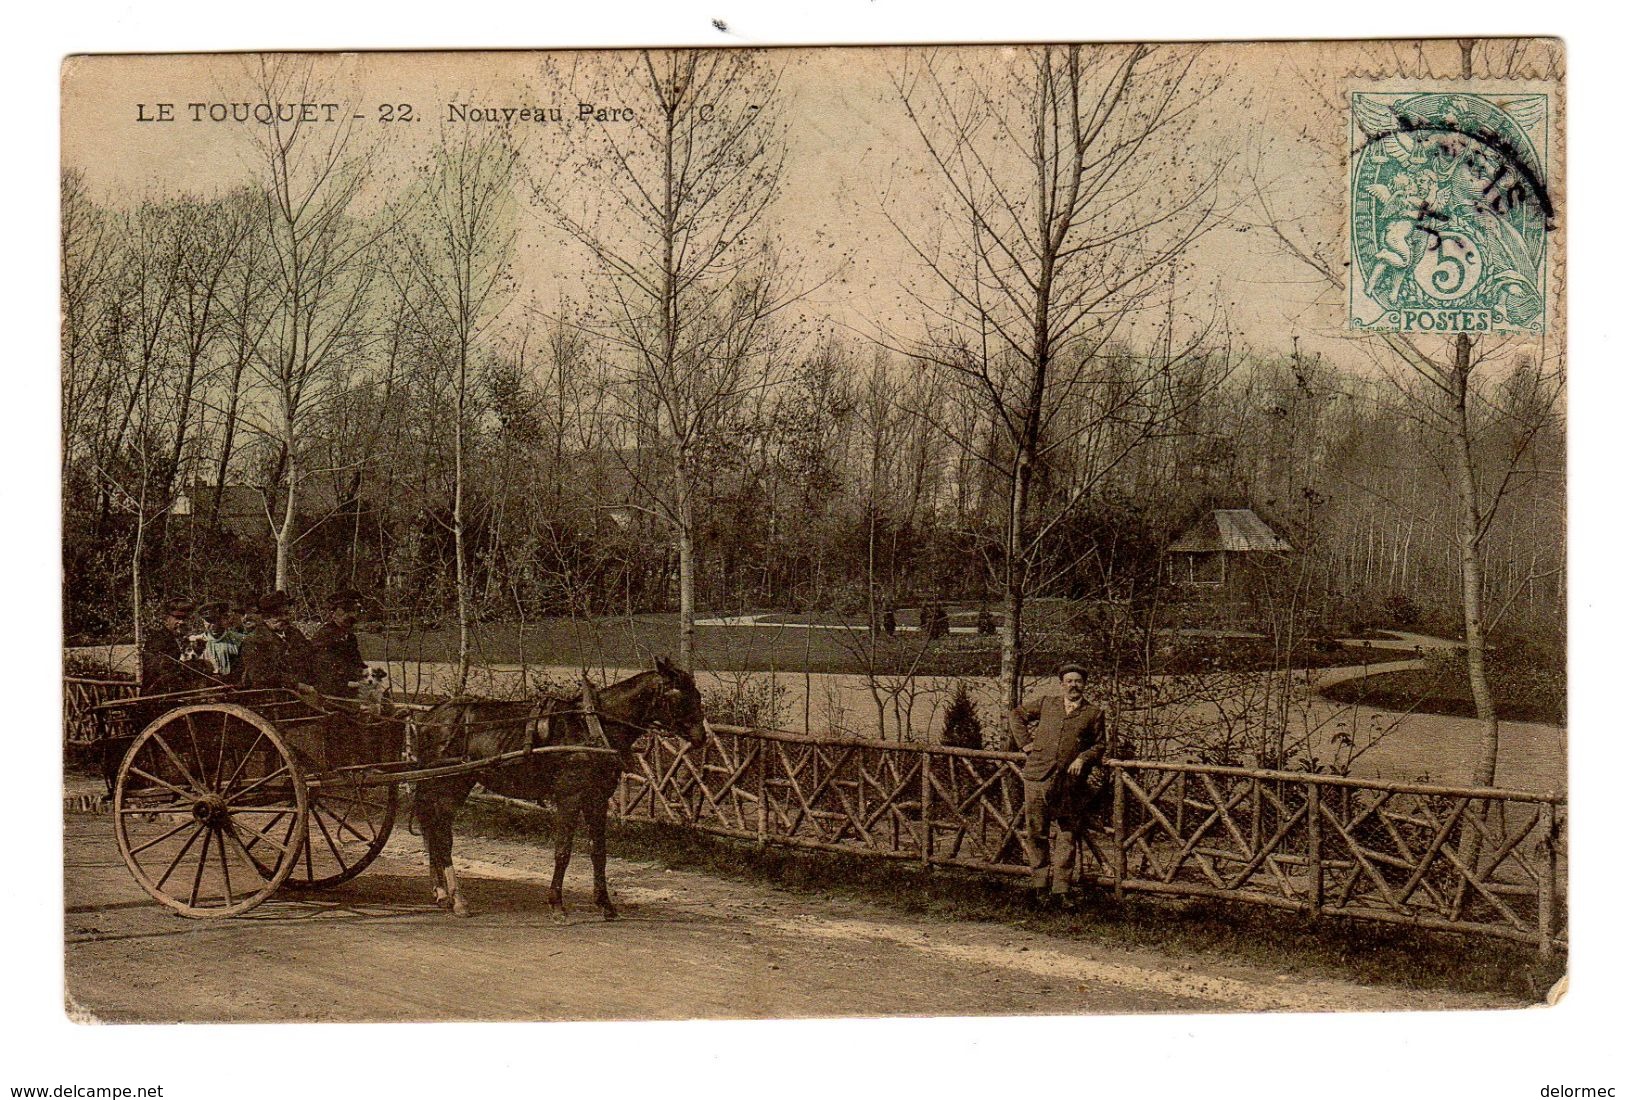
(1236, 529)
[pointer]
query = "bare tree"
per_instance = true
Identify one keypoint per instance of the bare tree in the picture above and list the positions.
(1441, 374)
(675, 218)
(209, 234)
(246, 314)
(319, 248)
(1069, 201)
(458, 244)
(88, 258)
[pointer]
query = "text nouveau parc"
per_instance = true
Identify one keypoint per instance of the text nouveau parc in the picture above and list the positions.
(266, 114)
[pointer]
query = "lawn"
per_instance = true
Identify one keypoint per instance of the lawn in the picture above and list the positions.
(1426, 691)
(784, 644)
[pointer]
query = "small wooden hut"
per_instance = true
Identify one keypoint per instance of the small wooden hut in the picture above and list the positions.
(1219, 548)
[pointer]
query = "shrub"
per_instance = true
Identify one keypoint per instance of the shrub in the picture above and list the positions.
(86, 667)
(1400, 610)
(753, 701)
(961, 726)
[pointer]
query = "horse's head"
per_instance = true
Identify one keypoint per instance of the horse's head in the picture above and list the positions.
(679, 709)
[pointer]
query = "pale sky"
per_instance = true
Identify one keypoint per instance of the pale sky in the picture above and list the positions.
(851, 146)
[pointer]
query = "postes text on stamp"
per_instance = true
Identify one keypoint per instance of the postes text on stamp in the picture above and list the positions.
(1449, 212)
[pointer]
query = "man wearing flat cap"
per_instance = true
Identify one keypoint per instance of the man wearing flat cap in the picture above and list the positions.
(338, 653)
(164, 646)
(1062, 737)
(276, 654)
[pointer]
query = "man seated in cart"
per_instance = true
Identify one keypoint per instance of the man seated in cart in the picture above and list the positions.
(164, 649)
(222, 641)
(276, 654)
(338, 663)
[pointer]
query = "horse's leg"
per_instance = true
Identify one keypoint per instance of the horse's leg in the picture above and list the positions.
(458, 795)
(564, 835)
(429, 810)
(459, 907)
(597, 810)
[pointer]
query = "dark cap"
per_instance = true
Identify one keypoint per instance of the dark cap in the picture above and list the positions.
(212, 610)
(179, 609)
(1060, 673)
(273, 603)
(345, 599)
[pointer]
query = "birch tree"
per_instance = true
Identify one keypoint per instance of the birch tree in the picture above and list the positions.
(1068, 188)
(319, 246)
(671, 204)
(458, 245)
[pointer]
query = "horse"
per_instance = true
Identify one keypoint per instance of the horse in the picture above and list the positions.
(578, 784)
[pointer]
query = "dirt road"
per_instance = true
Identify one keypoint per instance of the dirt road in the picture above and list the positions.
(688, 946)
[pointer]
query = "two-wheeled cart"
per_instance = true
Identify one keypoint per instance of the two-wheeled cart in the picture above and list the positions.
(229, 795)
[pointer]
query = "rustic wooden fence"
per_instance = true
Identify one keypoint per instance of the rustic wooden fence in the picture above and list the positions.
(1482, 861)
(80, 694)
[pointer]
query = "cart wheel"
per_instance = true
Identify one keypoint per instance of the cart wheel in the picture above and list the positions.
(347, 828)
(210, 809)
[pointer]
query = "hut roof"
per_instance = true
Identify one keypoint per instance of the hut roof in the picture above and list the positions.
(1237, 529)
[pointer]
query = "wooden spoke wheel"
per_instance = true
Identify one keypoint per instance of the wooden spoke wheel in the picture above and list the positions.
(210, 809)
(346, 829)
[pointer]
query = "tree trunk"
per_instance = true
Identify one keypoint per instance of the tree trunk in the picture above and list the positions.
(1011, 647)
(685, 569)
(284, 534)
(135, 589)
(1472, 576)
(226, 443)
(457, 527)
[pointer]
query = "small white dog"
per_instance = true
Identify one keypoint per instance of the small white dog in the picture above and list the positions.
(373, 691)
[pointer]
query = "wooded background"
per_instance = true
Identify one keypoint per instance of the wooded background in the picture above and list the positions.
(327, 374)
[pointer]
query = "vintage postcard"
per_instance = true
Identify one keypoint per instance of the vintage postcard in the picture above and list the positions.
(887, 531)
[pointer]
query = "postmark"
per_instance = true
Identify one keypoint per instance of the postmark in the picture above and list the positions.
(1449, 212)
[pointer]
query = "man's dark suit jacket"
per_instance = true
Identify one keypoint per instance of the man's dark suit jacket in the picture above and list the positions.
(1057, 739)
(272, 660)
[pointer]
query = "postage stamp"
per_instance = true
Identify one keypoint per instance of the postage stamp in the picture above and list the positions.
(1449, 212)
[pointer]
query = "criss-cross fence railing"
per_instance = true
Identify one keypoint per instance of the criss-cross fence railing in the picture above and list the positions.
(1484, 861)
(80, 695)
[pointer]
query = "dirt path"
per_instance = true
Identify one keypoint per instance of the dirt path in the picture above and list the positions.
(689, 946)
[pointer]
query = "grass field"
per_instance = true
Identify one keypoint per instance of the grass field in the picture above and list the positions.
(1424, 691)
(784, 643)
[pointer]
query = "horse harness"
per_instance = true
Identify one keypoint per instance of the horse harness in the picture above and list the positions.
(539, 729)
(539, 726)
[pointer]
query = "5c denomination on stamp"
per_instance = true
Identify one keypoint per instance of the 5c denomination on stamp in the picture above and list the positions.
(1449, 212)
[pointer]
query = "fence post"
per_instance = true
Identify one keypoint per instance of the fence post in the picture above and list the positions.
(761, 790)
(1317, 877)
(1119, 833)
(925, 806)
(1548, 878)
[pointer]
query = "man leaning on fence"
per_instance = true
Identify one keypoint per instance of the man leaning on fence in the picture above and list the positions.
(1062, 737)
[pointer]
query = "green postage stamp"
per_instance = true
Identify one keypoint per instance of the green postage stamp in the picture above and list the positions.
(1449, 212)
